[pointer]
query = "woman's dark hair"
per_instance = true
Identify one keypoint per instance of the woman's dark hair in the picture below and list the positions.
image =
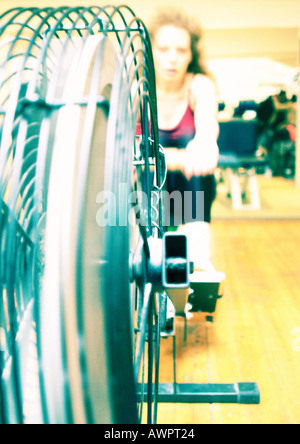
(180, 20)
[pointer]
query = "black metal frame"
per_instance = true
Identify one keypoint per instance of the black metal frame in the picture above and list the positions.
(238, 393)
(246, 393)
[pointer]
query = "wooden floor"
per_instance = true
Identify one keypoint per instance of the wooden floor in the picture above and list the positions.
(256, 333)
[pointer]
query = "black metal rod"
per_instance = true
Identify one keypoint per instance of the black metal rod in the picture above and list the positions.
(157, 358)
(142, 328)
(246, 393)
(150, 363)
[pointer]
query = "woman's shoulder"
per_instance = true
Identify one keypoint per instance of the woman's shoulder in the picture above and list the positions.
(202, 87)
(202, 82)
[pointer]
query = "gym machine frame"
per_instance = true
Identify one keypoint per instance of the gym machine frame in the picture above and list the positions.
(85, 302)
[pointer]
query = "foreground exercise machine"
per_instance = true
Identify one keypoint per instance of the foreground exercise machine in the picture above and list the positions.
(86, 267)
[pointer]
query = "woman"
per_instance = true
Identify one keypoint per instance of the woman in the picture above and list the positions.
(187, 110)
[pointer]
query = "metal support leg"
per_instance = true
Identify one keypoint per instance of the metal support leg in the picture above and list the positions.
(236, 191)
(238, 393)
(174, 365)
(185, 328)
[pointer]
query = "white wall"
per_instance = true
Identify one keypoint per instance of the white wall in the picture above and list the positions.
(216, 14)
(213, 14)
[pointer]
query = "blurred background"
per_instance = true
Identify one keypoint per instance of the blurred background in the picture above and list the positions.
(252, 50)
(252, 45)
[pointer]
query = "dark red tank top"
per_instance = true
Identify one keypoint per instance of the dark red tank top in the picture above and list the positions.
(182, 134)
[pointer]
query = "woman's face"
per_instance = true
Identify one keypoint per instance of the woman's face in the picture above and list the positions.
(172, 53)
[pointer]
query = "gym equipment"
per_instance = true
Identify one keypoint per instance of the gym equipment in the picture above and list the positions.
(85, 264)
(239, 159)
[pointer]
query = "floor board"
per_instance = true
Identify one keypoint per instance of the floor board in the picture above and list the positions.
(256, 331)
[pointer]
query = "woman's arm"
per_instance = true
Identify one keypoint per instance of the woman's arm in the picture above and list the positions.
(202, 153)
